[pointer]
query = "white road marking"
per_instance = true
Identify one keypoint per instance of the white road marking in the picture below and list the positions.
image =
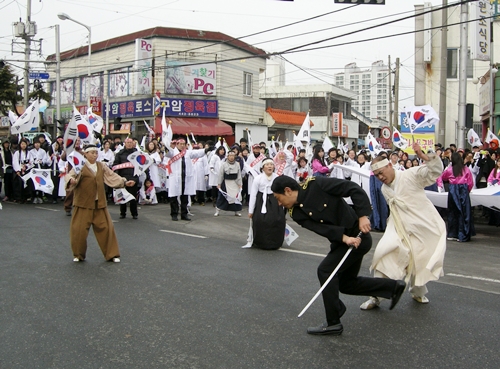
(39, 207)
(183, 234)
(473, 277)
(303, 252)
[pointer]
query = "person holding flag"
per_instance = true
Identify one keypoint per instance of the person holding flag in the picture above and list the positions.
(125, 168)
(22, 164)
(229, 185)
(90, 203)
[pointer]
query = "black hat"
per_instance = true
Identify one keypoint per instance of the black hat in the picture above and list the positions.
(438, 145)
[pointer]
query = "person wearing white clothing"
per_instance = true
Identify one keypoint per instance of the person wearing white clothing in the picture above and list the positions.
(201, 174)
(182, 178)
(213, 174)
(268, 217)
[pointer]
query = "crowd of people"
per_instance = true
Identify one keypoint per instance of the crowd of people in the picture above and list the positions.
(339, 195)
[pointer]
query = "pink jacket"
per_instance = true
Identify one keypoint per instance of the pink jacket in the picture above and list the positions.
(447, 175)
(318, 167)
(492, 176)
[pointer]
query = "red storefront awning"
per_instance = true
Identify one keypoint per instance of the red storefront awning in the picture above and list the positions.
(197, 126)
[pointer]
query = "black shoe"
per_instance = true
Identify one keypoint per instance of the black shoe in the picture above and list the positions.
(174, 218)
(396, 294)
(68, 213)
(122, 216)
(185, 217)
(54, 201)
(134, 216)
(324, 329)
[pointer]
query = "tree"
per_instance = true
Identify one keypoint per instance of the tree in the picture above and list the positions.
(10, 92)
(39, 93)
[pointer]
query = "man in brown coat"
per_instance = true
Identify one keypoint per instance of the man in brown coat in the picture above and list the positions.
(90, 206)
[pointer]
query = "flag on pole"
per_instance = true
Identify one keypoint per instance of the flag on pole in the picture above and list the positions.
(473, 138)
(166, 130)
(290, 235)
(12, 117)
(373, 145)
(42, 180)
(272, 149)
(142, 146)
(29, 121)
(420, 116)
(305, 131)
(327, 144)
(490, 136)
(398, 140)
(250, 142)
(71, 133)
(226, 146)
(189, 146)
(122, 196)
(141, 161)
(194, 139)
(85, 130)
(230, 199)
(150, 130)
(94, 120)
(77, 161)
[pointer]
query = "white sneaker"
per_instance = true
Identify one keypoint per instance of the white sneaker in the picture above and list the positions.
(216, 212)
(76, 260)
(372, 302)
(237, 214)
(116, 260)
(452, 239)
(421, 299)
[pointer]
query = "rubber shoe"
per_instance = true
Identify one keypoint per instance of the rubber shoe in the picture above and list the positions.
(216, 212)
(116, 260)
(237, 214)
(371, 303)
(420, 299)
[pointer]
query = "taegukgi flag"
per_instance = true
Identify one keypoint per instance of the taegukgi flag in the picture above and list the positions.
(29, 120)
(398, 140)
(290, 235)
(42, 180)
(420, 116)
(141, 161)
(473, 138)
(122, 196)
(77, 161)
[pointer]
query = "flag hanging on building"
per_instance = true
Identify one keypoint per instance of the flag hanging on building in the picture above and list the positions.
(29, 120)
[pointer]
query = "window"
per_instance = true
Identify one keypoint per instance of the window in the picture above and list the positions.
(300, 104)
(247, 84)
(453, 66)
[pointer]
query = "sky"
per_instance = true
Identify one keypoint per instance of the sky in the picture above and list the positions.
(266, 24)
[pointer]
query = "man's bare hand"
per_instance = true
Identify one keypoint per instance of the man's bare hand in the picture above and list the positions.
(364, 224)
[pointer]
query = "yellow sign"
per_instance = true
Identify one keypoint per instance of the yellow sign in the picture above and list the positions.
(425, 140)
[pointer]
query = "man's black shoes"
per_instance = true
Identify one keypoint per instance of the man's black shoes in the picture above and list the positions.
(396, 294)
(325, 329)
(122, 216)
(174, 218)
(185, 217)
(134, 216)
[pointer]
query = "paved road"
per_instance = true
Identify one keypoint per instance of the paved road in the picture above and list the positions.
(180, 301)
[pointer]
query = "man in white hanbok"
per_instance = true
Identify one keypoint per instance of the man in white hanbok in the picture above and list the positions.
(414, 242)
(182, 177)
(201, 172)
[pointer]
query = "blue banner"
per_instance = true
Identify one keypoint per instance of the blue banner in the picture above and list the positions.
(130, 109)
(175, 107)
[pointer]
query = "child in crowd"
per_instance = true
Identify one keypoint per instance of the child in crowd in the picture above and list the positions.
(147, 193)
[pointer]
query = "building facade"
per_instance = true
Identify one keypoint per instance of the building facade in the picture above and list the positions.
(199, 77)
(370, 88)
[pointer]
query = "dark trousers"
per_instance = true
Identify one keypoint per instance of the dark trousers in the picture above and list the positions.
(22, 193)
(347, 280)
(8, 182)
(174, 206)
(133, 203)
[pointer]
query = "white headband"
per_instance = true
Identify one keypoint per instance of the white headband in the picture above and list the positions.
(379, 164)
(92, 148)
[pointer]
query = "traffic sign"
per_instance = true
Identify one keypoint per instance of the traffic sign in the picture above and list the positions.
(386, 133)
(38, 75)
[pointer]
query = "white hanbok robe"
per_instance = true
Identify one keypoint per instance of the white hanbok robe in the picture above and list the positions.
(414, 242)
(63, 169)
(214, 167)
(201, 170)
(175, 178)
(153, 169)
(252, 171)
(106, 157)
(363, 182)
(39, 157)
(143, 197)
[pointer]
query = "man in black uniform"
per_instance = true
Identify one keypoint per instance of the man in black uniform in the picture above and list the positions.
(319, 206)
(125, 169)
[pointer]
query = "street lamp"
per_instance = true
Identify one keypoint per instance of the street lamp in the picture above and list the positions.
(64, 16)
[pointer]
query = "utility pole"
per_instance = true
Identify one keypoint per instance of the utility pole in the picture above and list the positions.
(462, 82)
(27, 51)
(396, 93)
(441, 126)
(58, 80)
(390, 95)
